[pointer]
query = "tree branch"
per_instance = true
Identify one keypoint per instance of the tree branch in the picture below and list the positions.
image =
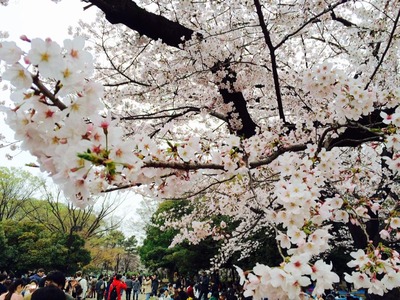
(359, 132)
(274, 64)
(45, 91)
(309, 21)
(396, 21)
(158, 27)
(146, 23)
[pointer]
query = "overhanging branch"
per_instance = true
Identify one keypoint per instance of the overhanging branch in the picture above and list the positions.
(146, 23)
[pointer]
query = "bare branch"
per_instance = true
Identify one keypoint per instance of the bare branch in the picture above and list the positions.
(274, 64)
(45, 91)
(396, 21)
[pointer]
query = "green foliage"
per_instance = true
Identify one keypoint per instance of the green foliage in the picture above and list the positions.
(130, 245)
(76, 255)
(5, 249)
(39, 228)
(28, 245)
(185, 258)
(266, 252)
(115, 238)
(16, 187)
(189, 259)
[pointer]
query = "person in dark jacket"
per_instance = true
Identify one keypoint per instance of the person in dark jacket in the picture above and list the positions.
(129, 286)
(154, 285)
(204, 286)
(3, 288)
(38, 275)
(48, 293)
(136, 287)
(100, 287)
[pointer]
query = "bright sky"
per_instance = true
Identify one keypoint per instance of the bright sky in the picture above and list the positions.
(43, 19)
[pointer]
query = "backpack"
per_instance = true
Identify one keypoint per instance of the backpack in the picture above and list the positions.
(78, 290)
(113, 294)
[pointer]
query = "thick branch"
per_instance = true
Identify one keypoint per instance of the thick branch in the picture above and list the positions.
(345, 22)
(249, 127)
(145, 23)
(360, 132)
(276, 154)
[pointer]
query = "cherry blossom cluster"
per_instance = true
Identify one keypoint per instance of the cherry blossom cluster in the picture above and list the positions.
(160, 126)
(65, 111)
(60, 119)
(289, 279)
(376, 270)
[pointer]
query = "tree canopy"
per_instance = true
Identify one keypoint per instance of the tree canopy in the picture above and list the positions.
(184, 258)
(26, 245)
(281, 115)
(16, 186)
(40, 228)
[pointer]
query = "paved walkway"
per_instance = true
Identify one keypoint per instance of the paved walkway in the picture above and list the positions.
(123, 297)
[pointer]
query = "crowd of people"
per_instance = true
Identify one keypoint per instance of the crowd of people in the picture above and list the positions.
(37, 286)
(55, 285)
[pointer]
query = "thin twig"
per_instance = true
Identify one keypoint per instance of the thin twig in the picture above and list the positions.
(386, 50)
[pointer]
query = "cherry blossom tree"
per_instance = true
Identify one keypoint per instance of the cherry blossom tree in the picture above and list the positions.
(281, 115)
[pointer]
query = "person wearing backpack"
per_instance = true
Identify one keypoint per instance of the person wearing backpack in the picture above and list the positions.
(100, 287)
(116, 287)
(83, 283)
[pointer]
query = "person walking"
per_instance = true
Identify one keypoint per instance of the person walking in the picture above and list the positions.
(83, 283)
(100, 287)
(76, 289)
(146, 286)
(154, 285)
(136, 287)
(119, 286)
(204, 286)
(92, 287)
(129, 286)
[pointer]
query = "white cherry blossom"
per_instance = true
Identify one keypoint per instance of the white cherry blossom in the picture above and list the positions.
(46, 54)
(10, 52)
(283, 130)
(18, 76)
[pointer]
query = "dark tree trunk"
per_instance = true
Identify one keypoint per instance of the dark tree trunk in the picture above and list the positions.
(391, 295)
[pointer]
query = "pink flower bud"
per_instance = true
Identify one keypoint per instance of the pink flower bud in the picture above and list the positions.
(25, 38)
